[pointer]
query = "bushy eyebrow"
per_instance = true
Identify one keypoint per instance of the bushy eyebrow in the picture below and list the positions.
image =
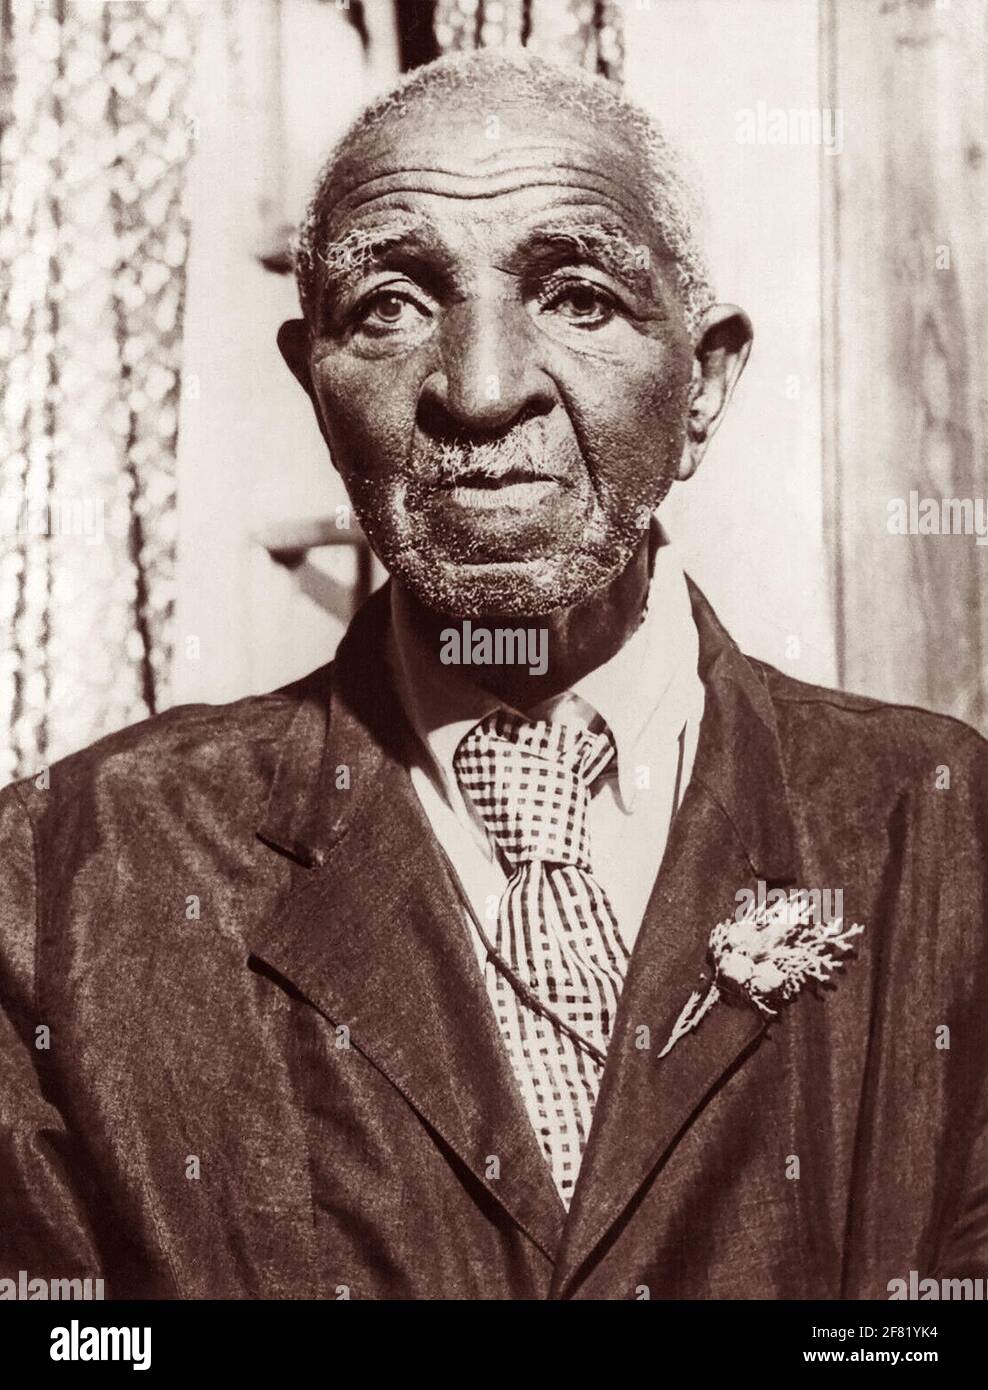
(361, 244)
(606, 246)
(352, 254)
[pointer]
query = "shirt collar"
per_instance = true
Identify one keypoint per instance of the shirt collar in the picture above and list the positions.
(642, 692)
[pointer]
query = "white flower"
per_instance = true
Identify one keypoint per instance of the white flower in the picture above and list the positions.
(766, 977)
(736, 966)
(766, 957)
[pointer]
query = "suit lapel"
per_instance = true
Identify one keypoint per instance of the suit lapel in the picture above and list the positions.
(373, 934)
(733, 828)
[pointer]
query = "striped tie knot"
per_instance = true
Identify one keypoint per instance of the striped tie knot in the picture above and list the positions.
(530, 782)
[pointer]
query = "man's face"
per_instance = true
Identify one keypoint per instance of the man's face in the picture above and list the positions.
(502, 365)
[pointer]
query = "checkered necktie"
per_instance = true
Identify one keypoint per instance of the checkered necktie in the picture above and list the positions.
(557, 961)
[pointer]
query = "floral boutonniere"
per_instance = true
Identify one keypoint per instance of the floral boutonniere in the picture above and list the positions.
(765, 957)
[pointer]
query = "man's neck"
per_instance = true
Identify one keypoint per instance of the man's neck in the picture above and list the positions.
(578, 639)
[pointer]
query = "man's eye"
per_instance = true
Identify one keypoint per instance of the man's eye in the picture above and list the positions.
(582, 303)
(389, 310)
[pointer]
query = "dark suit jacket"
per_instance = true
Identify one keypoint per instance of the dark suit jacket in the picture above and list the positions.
(273, 1070)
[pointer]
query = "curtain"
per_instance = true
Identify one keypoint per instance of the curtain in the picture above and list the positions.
(94, 140)
(586, 33)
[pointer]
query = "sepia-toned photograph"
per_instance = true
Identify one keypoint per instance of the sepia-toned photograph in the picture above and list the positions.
(494, 661)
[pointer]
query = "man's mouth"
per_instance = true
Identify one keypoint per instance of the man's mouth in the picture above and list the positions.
(491, 480)
(522, 486)
(515, 490)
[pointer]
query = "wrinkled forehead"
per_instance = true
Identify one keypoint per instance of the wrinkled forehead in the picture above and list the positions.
(475, 165)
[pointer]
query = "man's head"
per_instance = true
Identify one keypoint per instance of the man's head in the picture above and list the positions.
(508, 333)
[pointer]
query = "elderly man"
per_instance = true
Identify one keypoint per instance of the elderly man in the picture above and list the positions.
(542, 945)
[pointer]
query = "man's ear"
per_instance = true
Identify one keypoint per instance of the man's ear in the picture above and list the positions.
(721, 351)
(293, 343)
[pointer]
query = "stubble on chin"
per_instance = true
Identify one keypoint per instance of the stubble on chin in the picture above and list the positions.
(451, 585)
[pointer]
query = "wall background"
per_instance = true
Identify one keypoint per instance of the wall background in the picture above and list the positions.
(751, 522)
(868, 376)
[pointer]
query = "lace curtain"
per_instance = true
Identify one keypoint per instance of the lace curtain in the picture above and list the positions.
(93, 237)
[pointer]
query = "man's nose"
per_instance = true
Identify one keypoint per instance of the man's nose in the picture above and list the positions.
(488, 374)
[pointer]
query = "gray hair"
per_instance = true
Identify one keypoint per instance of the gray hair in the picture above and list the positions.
(521, 78)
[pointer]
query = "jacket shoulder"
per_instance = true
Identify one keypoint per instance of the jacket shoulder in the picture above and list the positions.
(225, 748)
(866, 735)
